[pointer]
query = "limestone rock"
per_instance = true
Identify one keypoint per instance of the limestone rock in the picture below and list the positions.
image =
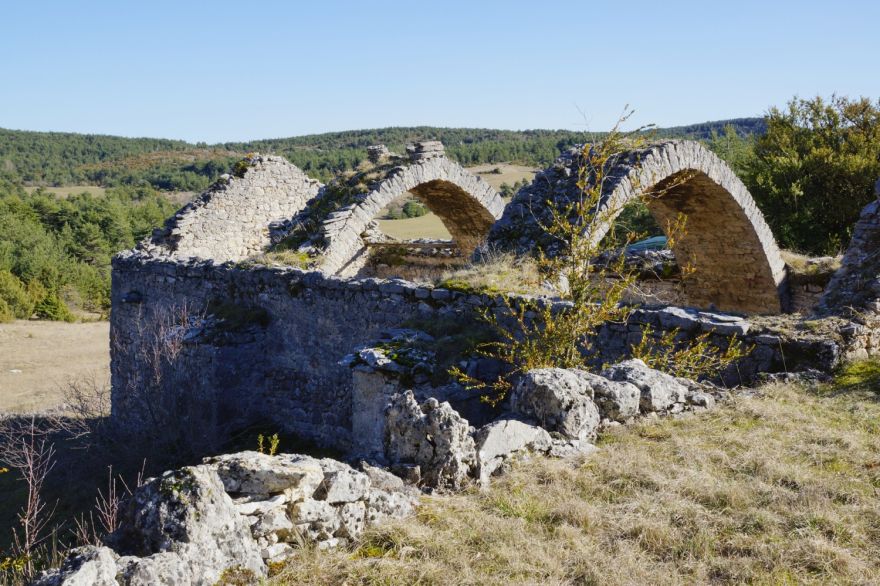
(277, 552)
(352, 519)
(274, 522)
(432, 435)
(84, 566)
(499, 440)
(659, 391)
(617, 401)
(343, 486)
(254, 473)
(188, 513)
(160, 568)
(382, 505)
(560, 399)
(316, 520)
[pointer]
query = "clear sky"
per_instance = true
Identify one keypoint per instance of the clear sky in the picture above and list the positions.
(223, 71)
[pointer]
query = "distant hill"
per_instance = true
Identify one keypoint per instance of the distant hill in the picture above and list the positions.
(56, 158)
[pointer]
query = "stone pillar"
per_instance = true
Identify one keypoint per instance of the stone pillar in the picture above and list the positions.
(421, 151)
(856, 284)
(371, 394)
(377, 152)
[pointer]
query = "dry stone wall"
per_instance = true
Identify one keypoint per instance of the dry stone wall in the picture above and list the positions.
(856, 285)
(271, 345)
(230, 221)
(738, 265)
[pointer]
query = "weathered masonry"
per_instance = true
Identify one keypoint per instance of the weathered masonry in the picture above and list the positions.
(467, 205)
(738, 265)
(196, 333)
(275, 353)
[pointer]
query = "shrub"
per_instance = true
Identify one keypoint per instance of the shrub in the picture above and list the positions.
(6, 314)
(535, 334)
(814, 170)
(15, 296)
(51, 307)
(414, 209)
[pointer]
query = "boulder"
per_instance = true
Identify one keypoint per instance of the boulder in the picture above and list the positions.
(560, 399)
(187, 513)
(343, 486)
(501, 439)
(83, 566)
(659, 391)
(617, 401)
(254, 473)
(432, 435)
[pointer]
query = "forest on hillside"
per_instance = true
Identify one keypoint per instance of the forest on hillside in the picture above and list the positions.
(56, 159)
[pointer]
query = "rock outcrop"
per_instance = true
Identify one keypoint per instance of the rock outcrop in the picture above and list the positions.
(432, 436)
(235, 512)
(560, 399)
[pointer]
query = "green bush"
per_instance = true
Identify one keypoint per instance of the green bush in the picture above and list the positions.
(51, 307)
(6, 314)
(414, 209)
(15, 296)
(815, 169)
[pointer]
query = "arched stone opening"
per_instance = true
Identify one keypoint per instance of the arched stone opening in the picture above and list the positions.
(737, 264)
(466, 219)
(732, 271)
(467, 206)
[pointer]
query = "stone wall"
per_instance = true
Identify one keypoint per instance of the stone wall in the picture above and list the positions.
(272, 348)
(230, 221)
(856, 285)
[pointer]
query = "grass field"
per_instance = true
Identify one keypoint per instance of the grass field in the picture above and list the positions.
(510, 174)
(69, 190)
(776, 489)
(38, 358)
(178, 197)
(430, 226)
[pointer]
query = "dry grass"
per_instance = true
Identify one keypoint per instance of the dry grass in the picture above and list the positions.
(427, 226)
(37, 359)
(68, 190)
(497, 273)
(509, 174)
(801, 264)
(776, 489)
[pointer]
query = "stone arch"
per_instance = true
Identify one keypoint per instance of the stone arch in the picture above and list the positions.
(738, 264)
(467, 206)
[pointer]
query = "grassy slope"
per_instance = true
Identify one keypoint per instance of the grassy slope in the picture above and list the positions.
(776, 489)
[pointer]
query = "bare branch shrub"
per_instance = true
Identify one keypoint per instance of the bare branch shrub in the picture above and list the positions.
(27, 449)
(164, 403)
(537, 334)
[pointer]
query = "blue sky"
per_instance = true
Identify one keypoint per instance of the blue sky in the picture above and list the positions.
(217, 71)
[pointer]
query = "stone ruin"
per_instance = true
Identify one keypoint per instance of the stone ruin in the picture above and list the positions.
(266, 341)
(323, 355)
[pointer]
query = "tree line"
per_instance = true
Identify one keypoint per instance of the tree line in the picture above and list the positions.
(55, 252)
(56, 159)
(810, 166)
